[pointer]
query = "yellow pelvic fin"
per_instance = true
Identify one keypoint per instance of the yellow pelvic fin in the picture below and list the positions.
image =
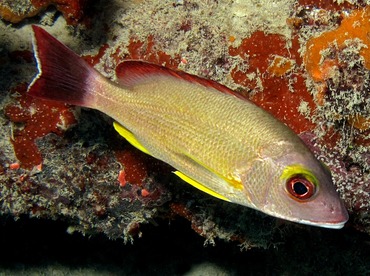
(199, 186)
(129, 136)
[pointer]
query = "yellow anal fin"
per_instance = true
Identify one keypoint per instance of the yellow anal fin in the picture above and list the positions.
(129, 136)
(200, 186)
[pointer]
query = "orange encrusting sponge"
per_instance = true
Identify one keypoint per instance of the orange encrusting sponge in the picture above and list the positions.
(356, 25)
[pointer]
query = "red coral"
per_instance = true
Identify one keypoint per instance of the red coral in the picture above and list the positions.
(139, 50)
(265, 54)
(324, 4)
(180, 210)
(93, 60)
(72, 10)
(135, 168)
(37, 118)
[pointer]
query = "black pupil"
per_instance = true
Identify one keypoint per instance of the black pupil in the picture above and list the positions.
(300, 188)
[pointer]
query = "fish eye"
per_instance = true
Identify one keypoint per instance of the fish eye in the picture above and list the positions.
(300, 188)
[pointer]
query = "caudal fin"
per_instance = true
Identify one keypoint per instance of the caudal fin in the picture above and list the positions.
(63, 75)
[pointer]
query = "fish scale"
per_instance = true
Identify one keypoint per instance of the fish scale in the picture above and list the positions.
(202, 141)
(219, 143)
(163, 119)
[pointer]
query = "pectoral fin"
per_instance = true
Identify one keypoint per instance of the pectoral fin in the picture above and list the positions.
(199, 186)
(236, 183)
(129, 136)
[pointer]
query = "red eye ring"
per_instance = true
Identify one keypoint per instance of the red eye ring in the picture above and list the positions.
(300, 188)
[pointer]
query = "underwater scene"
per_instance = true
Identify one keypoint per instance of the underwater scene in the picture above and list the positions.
(185, 137)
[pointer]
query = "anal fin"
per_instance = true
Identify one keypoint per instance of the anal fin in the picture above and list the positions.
(130, 137)
(199, 186)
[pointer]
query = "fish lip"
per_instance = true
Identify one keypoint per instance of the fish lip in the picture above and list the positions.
(331, 225)
(336, 225)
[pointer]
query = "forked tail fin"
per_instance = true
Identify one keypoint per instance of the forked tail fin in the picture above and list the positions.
(63, 75)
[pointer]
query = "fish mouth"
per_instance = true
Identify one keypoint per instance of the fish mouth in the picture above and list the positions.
(331, 224)
(334, 225)
(339, 224)
(339, 219)
(336, 221)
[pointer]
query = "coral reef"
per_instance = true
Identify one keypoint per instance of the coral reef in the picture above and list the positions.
(292, 66)
(16, 11)
(336, 62)
(33, 119)
(274, 77)
(87, 192)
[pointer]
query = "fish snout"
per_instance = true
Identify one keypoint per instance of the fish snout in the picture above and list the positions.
(335, 214)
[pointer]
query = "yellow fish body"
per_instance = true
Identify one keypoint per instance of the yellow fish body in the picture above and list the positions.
(216, 141)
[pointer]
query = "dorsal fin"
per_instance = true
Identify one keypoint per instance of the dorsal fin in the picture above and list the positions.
(130, 73)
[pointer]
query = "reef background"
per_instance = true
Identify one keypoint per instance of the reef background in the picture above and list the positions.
(74, 196)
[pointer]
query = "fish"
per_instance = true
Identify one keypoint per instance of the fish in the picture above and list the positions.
(214, 139)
